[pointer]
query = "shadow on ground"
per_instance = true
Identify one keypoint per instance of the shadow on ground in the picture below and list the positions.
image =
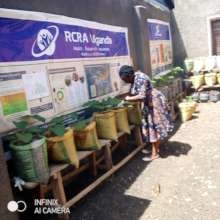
(174, 148)
(109, 201)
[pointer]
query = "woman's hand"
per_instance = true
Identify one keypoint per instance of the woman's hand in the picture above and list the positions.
(127, 98)
(133, 98)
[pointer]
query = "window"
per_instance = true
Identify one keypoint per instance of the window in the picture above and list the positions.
(215, 25)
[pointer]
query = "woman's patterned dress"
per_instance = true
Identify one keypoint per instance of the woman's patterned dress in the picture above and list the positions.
(156, 120)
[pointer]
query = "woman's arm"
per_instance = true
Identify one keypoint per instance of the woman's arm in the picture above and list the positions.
(134, 98)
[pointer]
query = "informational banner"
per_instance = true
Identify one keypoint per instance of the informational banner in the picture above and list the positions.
(160, 46)
(51, 65)
(28, 40)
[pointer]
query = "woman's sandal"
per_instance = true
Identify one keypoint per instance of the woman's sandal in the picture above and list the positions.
(148, 159)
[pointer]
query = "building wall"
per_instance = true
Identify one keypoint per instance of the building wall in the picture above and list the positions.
(113, 12)
(190, 31)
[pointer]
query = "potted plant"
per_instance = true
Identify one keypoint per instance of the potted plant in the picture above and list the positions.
(104, 118)
(119, 107)
(198, 80)
(61, 144)
(162, 84)
(28, 146)
(187, 108)
(210, 79)
(85, 135)
(111, 116)
(218, 77)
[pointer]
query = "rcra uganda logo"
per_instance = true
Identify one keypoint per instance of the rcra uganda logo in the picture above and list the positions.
(157, 31)
(19, 206)
(45, 44)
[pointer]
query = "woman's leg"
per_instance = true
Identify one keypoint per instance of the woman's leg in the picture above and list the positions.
(155, 150)
(158, 146)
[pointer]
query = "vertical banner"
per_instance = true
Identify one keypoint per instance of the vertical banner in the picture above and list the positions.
(160, 46)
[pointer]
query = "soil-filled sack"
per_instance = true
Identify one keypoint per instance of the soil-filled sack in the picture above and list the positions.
(87, 138)
(122, 120)
(134, 113)
(106, 125)
(63, 149)
(31, 161)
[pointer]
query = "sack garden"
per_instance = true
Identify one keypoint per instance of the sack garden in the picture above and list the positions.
(66, 151)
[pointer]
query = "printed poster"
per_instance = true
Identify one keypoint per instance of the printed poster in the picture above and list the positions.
(98, 80)
(68, 86)
(160, 46)
(13, 100)
(36, 85)
(14, 103)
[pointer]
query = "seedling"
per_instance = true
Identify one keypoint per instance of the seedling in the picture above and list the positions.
(26, 134)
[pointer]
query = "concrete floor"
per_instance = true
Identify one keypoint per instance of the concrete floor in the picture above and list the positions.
(184, 184)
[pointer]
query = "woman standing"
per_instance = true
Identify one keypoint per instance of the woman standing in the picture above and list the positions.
(156, 121)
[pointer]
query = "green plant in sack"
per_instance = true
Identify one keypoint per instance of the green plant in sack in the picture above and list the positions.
(119, 107)
(61, 144)
(176, 72)
(86, 137)
(122, 124)
(106, 125)
(28, 146)
(134, 113)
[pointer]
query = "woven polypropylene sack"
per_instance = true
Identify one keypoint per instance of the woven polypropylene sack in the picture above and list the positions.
(26, 161)
(87, 139)
(210, 79)
(218, 78)
(198, 81)
(186, 111)
(122, 120)
(134, 113)
(106, 125)
(63, 149)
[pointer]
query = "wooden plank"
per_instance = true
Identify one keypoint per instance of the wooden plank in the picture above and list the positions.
(58, 192)
(108, 157)
(93, 166)
(138, 137)
(132, 126)
(104, 142)
(55, 168)
(84, 154)
(102, 178)
(217, 86)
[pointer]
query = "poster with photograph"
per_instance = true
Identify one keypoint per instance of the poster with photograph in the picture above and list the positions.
(160, 46)
(98, 80)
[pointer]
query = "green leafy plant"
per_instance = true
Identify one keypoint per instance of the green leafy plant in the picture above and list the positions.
(25, 133)
(104, 105)
(189, 98)
(56, 127)
(80, 125)
(165, 80)
(175, 72)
